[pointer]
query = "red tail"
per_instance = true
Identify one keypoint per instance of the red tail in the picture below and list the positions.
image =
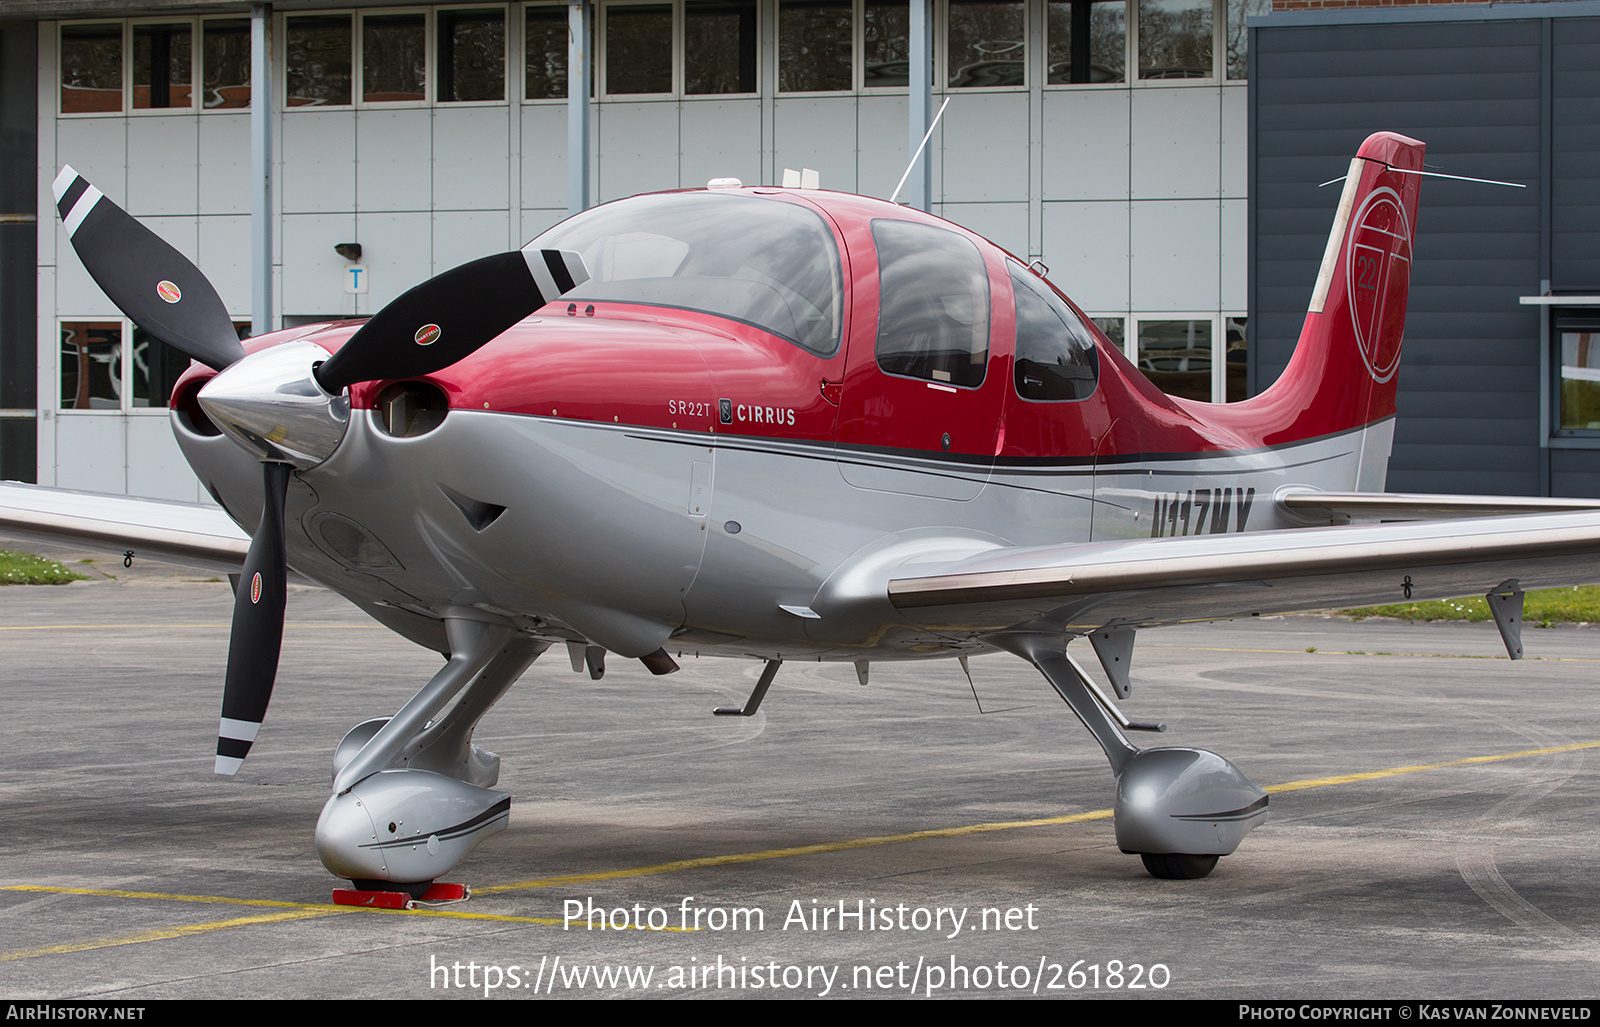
(1343, 374)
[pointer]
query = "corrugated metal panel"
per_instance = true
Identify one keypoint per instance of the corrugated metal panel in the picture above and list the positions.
(1575, 155)
(1471, 90)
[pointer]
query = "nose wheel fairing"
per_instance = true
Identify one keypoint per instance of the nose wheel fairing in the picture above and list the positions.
(1178, 808)
(415, 795)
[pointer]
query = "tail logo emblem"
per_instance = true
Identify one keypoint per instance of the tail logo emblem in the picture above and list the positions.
(1378, 276)
(169, 292)
(427, 335)
(255, 588)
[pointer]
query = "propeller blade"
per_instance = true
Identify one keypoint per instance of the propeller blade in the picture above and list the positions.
(151, 282)
(446, 318)
(257, 628)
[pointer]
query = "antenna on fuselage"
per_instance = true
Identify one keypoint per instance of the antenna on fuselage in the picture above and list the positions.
(920, 148)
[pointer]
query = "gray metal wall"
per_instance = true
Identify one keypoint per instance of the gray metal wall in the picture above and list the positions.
(1493, 96)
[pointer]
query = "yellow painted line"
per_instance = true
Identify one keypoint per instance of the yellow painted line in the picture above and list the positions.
(292, 911)
(1373, 775)
(798, 850)
(116, 893)
(163, 933)
(951, 832)
(305, 911)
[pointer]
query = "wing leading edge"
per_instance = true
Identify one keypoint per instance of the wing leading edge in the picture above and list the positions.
(187, 532)
(1147, 582)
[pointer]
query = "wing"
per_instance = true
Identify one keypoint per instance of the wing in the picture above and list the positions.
(1146, 582)
(187, 532)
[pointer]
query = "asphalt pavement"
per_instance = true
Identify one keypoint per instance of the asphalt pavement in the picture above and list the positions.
(1433, 831)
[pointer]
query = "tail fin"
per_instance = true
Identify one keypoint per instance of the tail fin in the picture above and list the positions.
(1343, 374)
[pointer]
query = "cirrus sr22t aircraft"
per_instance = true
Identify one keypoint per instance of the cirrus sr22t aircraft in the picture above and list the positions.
(781, 424)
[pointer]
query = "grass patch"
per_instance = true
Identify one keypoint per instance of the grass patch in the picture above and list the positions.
(26, 569)
(1576, 605)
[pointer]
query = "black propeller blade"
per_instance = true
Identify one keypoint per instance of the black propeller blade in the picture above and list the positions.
(257, 635)
(451, 315)
(151, 282)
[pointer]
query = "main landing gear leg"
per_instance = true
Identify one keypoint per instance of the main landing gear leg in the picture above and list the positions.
(412, 794)
(1180, 809)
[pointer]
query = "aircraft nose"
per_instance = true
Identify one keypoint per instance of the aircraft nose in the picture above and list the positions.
(270, 404)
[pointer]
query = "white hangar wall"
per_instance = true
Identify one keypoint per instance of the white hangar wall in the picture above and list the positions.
(1133, 193)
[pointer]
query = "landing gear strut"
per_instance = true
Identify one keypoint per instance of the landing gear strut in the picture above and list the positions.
(1179, 809)
(412, 795)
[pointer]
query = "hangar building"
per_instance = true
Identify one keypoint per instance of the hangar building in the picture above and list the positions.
(1121, 142)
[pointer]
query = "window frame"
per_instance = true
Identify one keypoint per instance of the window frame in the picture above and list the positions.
(1131, 76)
(941, 52)
(513, 84)
(129, 66)
(125, 79)
(510, 85)
(200, 68)
(358, 61)
(125, 352)
(1557, 436)
(1218, 320)
(602, 32)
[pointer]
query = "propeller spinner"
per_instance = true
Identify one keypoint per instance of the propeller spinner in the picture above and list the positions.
(285, 405)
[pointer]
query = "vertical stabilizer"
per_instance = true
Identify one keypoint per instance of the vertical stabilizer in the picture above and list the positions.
(1344, 372)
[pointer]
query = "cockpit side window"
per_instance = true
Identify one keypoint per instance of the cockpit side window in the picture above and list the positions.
(766, 263)
(933, 305)
(1056, 355)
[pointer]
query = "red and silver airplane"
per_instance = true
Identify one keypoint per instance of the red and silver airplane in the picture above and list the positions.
(781, 424)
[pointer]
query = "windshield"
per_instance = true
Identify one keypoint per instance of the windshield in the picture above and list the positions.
(766, 263)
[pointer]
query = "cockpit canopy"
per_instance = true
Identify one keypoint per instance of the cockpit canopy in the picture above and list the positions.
(766, 263)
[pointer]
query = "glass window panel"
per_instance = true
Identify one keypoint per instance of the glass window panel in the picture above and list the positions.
(472, 55)
(813, 45)
(1175, 38)
(1111, 328)
(225, 64)
(639, 49)
(1580, 376)
(546, 51)
(1088, 41)
(933, 304)
(1176, 357)
(886, 43)
(394, 58)
(1056, 355)
(156, 367)
(163, 66)
(719, 46)
(91, 365)
(768, 264)
(986, 43)
(1238, 37)
(318, 60)
(91, 68)
(1235, 370)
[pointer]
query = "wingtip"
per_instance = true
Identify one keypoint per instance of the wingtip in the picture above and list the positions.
(228, 766)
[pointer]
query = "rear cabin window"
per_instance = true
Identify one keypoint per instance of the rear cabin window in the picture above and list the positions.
(933, 307)
(1056, 356)
(767, 263)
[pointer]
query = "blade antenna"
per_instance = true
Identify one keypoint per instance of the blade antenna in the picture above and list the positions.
(920, 148)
